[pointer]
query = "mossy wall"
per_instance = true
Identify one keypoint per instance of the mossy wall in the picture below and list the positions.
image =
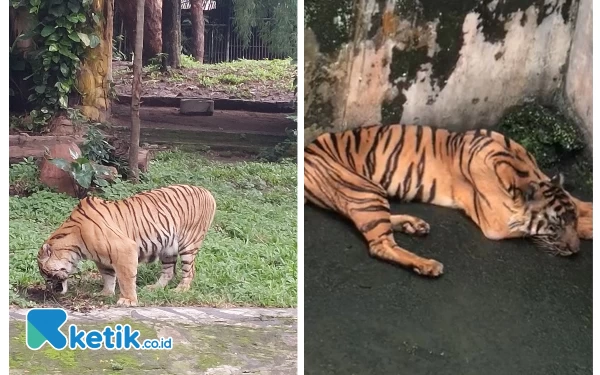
(456, 64)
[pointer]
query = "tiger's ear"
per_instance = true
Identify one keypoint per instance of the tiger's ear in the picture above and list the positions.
(558, 180)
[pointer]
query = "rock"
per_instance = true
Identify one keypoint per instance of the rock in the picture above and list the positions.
(56, 178)
(196, 107)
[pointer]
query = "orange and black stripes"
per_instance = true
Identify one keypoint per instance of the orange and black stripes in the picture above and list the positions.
(480, 172)
(158, 224)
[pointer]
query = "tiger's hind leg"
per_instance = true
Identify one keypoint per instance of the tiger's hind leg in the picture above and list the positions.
(409, 224)
(167, 272)
(365, 203)
(188, 266)
(109, 278)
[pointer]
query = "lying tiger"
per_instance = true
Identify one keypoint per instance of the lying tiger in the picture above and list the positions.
(491, 178)
(118, 235)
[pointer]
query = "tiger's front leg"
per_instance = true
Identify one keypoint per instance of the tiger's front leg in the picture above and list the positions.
(126, 266)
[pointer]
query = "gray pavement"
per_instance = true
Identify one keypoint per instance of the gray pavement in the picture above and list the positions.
(501, 308)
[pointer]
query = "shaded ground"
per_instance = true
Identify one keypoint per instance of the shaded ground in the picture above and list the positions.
(223, 121)
(205, 341)
(500, 307)
(264, 80)
(233, 131)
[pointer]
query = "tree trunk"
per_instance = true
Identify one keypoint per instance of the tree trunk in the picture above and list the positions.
(198, 30)
(153, 36)
(171, 29)
(110, 16)
(136, 93)
(93, 80)
(153, 40)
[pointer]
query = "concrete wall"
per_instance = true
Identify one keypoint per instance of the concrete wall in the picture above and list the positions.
(578, 87)
(457, 64)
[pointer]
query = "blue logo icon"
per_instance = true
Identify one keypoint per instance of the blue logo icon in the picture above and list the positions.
(43, 325)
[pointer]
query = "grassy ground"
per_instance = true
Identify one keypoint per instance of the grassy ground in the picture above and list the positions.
(271, 80)
(248, 257)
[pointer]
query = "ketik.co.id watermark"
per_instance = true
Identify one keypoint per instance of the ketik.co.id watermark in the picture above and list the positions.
(44, 326)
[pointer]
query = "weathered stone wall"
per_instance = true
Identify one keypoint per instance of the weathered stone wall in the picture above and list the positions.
(457, 64)
(578, 85)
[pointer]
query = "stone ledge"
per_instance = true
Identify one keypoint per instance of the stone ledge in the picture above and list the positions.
(219, 104)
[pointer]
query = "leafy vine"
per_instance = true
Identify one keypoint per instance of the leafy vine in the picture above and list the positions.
(62, 35)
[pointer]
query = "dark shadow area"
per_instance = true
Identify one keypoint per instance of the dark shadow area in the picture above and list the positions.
(500, 308)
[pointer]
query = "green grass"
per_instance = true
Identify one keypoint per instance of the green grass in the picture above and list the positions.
(278, 73)
(248, 257)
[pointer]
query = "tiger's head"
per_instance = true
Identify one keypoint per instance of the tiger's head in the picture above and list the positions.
(56, 266)
(549, 216)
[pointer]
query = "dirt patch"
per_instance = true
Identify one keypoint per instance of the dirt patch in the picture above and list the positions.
(268, 81)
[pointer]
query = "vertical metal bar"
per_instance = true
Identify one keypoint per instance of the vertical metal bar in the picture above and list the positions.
(227, 37)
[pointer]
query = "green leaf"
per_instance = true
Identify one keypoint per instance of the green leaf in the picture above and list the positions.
(53, 48)
(84, 38)
(63, 101)
(84, 178)
(40, 89)
(94, 41)
(74, 37)
(62, 164)
(96, 19)
(65, 52)
(64, 69)
(47, 30)
(82, 17)
(73, 18)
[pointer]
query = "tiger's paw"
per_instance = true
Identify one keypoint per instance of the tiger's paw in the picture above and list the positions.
(410, 225)
(429, 267)
(126, 302)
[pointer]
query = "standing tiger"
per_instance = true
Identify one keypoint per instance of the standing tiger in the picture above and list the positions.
(118, 235)
(491, 178)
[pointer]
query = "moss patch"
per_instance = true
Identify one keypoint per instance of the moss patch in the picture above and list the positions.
(556, 142)
(450, 16)
(195, 349)
(332, 22)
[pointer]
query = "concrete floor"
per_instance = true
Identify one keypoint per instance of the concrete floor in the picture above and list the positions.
(500, 308)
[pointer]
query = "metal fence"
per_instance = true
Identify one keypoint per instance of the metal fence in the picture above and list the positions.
(221, 42)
